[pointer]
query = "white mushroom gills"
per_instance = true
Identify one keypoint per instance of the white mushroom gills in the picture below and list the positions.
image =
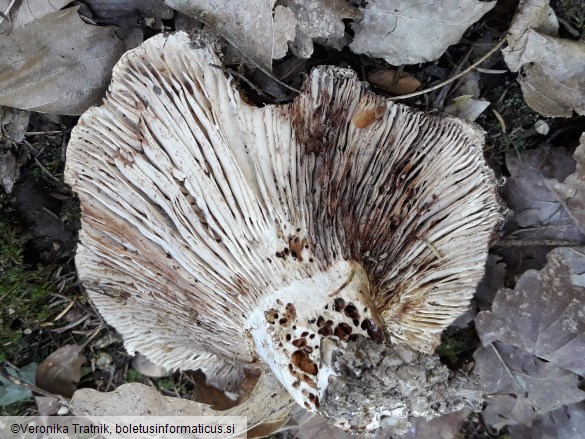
(295, 328)
(203, 217)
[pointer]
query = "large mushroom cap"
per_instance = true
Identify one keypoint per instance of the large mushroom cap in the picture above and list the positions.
(217, 235)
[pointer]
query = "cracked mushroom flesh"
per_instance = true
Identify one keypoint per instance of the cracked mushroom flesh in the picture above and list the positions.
(218, 235)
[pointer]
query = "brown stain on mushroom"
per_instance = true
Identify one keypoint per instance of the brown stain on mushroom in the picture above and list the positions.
(301, 360)
(364, 118)
(296, 246)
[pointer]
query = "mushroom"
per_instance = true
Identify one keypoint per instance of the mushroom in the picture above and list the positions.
(221, 236)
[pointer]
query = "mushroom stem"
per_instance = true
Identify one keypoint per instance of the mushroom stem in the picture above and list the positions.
(295, 329)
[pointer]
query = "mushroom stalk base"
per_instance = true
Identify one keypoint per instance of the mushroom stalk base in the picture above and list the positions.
(296, 329)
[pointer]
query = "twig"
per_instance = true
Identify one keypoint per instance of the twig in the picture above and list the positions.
(242, 77)
(41, 133)
(15, 380)
(536, 243)
(453, 78)
(6, 14)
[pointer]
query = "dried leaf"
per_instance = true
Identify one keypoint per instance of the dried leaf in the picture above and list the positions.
(318, 428)
(8, 171)
(521, 386)
(44, 69)
(493, 280)
(115, 8)
(61, 371)
(467, 107)
(529, 196)
(538, 218)
(10, 392)
(13, 125)
(126, 12)
(544, 314)
(47, 405)
(443, 427)
(571, 193)
(565, 423)
(386, 80)
(260, 33)
(146, 367)
(411, 31)
(268, 403)
(29, 11)
(318, 19)
(552, 69)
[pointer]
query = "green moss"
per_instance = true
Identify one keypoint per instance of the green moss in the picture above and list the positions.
(457, 346)
(24, 290)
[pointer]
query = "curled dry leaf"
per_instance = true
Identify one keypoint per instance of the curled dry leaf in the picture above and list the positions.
(115, 9)
(538, 216)
(521, 386)
(544, 313)
(30, 11)
(411, 31)
(571, 193)
(564, 423)
(534, 342)
(13, 124)
(318, 19)
(263, 32)
(43, 68)
(393, 81)
(269, 403)
(61, 371)
(260, 31)
(552, 69)
(467, 107)
(146, 367)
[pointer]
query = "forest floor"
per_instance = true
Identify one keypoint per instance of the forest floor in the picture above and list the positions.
(45, 307)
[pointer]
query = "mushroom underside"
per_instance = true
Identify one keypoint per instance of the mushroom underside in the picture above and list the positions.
(218, 235)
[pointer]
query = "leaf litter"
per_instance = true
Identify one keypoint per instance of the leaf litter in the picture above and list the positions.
(43, 69)
(411, 31)
(528, 354)
(552, 69)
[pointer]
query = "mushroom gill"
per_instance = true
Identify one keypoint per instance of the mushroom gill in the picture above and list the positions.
(218, 235)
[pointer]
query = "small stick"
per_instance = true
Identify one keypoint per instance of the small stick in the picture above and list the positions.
(242, 77)
(453, 78)
(535, 243)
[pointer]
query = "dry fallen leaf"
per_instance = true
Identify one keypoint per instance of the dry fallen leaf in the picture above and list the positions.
(387, 80)
(411, 31)
(57, 64)
(146, 367)
(156, 9)
(534, 339)
(259, 32)
(13, 125)
(544, 313)
(521, 386)
(538, 216)
(29, 11)
(571, 193)
(318, 19)
(565, 423)
(493, 280)
(61, 371)
(262, 32)
(467, 107)
(136, 399)
(552, 69)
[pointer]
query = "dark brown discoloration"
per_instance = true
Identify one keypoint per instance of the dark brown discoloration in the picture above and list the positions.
(296, 246)
(301, 360)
